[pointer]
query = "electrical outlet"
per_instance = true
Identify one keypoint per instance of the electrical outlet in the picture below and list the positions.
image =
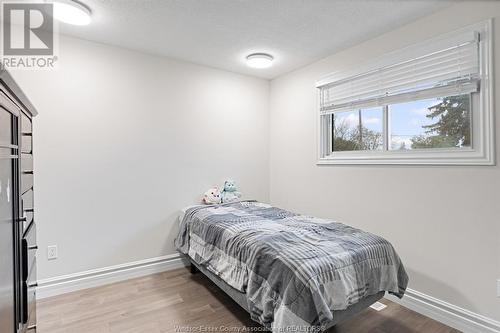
(498, 288)
(52, 252)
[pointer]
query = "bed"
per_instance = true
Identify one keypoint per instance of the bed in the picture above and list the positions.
(290, 272)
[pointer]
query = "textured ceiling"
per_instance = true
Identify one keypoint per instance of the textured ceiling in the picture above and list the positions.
(220, 33)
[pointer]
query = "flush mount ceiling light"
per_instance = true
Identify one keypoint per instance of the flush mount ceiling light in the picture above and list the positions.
(71, 12)
(259, 60)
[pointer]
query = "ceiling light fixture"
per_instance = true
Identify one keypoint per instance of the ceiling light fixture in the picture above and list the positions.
(72, 12)
(260, 60)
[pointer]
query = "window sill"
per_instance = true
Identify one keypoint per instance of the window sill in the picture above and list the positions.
(466, 157)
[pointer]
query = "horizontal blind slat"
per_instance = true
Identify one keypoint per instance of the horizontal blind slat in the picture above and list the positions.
(449, 90)
(429, 71)
(446, 53)
(415, 86)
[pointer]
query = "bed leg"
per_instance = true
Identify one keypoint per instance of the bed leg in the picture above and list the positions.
(193, 269)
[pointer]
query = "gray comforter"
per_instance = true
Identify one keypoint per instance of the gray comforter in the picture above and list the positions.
(294, 269)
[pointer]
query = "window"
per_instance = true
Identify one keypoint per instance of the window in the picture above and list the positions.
(427, 104)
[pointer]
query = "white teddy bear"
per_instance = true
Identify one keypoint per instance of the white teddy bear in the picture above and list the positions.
(212, 196)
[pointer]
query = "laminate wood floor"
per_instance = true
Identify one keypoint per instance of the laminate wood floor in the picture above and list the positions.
(174, 300)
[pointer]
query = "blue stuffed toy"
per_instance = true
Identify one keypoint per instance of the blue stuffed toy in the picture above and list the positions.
(229, 192)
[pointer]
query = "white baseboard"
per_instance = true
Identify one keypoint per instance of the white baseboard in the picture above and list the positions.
(98, 277)
(446, 313)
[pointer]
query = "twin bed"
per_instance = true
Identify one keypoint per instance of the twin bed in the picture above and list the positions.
(290, 272)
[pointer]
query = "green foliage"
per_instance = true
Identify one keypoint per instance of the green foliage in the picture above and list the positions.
(348, 138)
(452, 128)
(342, 144)
(435, 141)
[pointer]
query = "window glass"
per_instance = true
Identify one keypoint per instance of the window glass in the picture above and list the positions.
(358, 130)
(431, 123)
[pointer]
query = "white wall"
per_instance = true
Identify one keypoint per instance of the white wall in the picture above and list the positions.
(123, 140)
(444, 221)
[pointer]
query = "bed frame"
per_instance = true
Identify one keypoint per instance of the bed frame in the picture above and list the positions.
(240, 298)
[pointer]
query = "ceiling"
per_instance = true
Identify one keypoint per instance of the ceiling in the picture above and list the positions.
(220, 33)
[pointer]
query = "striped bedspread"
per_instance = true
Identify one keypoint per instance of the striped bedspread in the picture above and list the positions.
(294, 269)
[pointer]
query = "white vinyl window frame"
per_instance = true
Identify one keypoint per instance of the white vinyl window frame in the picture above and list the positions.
(482, 150)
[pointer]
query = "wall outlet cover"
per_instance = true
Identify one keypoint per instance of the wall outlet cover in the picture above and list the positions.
(52, 252)
(498, 288)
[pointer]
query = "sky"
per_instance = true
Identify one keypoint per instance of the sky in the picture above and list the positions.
(407, 120)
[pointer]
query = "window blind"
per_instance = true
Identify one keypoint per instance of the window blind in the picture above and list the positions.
(446, 71)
